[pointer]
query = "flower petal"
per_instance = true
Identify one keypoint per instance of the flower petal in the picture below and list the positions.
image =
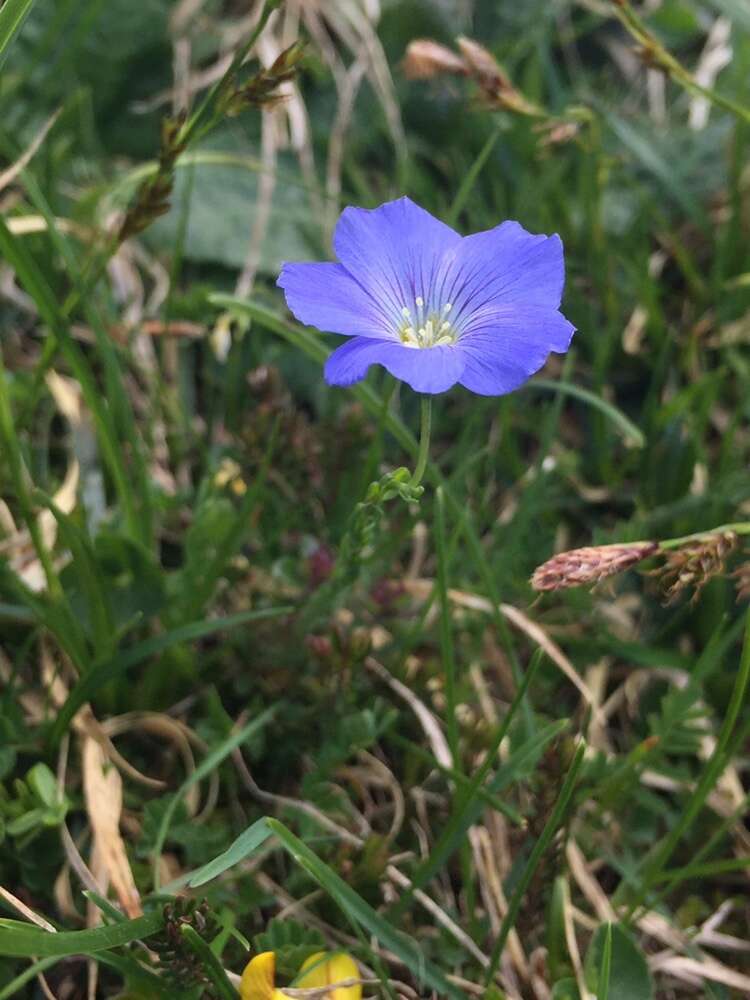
(510, 347)
(501, 266)
(429, 369)
(393, 250)
(322, 969)
(257, 982)
(326, 296)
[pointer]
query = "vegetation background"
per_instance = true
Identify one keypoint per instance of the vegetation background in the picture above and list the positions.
(475, 789)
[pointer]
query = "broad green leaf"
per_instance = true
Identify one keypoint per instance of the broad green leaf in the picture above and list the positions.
(223, 193)
(629, 977)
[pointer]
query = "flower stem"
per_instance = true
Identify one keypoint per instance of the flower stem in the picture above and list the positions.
(424, 441)
(739, 528)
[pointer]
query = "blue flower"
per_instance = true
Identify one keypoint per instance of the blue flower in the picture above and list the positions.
(430, 306)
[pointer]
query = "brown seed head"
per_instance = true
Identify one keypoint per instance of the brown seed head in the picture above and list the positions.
(483, 64)
(492, 79)
(426, 59)
(741, 576)
(691, 566)
(589, 565)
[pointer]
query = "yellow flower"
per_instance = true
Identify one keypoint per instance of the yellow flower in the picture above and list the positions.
(326, 968)
(320, 970)
(257, 981)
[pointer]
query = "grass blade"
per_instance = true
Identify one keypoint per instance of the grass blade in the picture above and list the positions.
(12, 15)
(209, 962)
(19, 940)
(632, 435)
(246, 844)
(606, 968)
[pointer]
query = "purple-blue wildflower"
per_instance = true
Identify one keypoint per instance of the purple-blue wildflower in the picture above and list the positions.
(433, 307)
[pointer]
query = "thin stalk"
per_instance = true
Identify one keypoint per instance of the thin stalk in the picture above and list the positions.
(18, 474)
(446, 631)
(739, 528)
(196, 124)
(659, 55)
(424, 440)
(605, 971)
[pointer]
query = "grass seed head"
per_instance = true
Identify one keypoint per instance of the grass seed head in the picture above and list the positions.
(692, 565)
(577, 567)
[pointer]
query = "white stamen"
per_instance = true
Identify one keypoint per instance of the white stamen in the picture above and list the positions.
(429, 329)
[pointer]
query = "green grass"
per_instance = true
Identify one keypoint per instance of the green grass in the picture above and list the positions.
(354, 715)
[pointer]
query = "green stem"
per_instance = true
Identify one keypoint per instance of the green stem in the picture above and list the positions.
(446, 631)
(19, 476)
(739, 528)
(640, 31)
(424, 440)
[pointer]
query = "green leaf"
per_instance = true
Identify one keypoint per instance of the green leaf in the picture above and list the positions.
(247, 843)
(221, 181)
(466, 804)
(42, 782)
(12, 15)
(629, 977)
(19, 940)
